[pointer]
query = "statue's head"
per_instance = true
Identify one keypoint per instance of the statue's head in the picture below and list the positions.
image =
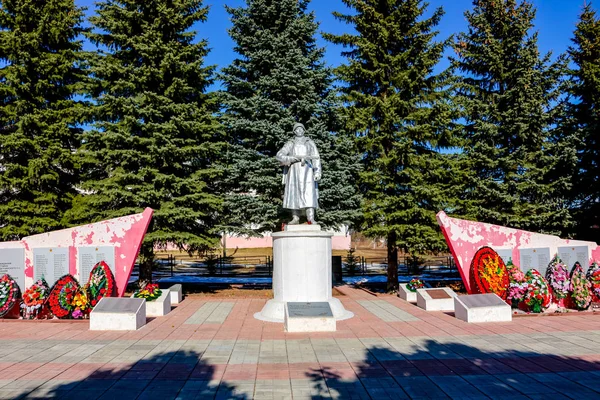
(299, 129)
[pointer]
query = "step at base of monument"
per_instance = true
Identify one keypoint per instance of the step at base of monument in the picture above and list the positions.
(274, 311)
(309, 317)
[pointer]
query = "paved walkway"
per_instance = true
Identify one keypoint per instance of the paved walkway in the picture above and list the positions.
(208, 348)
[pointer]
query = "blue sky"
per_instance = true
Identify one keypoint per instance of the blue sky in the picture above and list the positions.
(555, 23)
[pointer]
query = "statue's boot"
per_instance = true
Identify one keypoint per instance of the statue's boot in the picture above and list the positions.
(310, 215)
(296, 219)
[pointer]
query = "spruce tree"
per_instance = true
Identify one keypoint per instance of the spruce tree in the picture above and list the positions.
(510, 96)
(585, 121)
(42, 71)
(400, 111)
(279, 78)
(156, 141)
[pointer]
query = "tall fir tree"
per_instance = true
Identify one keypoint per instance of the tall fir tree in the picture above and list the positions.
(279, 78)
(585, 121)
(156, 141)
(512, 107)
(401, 113)
(42, 71)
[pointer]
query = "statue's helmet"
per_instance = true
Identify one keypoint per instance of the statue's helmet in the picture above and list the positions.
(298, 125)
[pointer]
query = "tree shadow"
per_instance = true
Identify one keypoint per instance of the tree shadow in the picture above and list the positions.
(165, 375)
(430, 369)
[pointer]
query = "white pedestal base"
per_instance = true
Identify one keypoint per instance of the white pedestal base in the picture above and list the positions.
(176, 292)
(301, 272)
(406, 294)
(160, 306)
(477, 308)
(118, 314)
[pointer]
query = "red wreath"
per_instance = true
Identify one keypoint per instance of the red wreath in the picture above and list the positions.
(101, 283)
(11, 297)
(61, 296)
(488, 273)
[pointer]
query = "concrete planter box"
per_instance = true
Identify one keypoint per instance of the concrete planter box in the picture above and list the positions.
(406, 294)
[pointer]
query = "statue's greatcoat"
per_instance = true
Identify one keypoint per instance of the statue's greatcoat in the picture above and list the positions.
(299, 177)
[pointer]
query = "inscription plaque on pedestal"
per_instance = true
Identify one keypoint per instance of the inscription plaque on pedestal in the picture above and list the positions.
(90, 256)
(12, 262)
(438, 294)
(537, 258)
(309, 310)
(50, 263)
(572, 254)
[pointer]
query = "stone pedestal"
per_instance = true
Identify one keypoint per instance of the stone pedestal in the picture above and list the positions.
(176, 293)
(487, 307)
(439, 299)
(118, 314)
(301, 272)
(309, 317)
(161, 306)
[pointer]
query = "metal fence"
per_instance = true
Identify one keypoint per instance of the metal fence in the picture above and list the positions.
(262, 266)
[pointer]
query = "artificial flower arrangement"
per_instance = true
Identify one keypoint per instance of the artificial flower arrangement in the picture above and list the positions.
(80, 303)
(150, 292)
(415, 284)
(62, 295)
(9, 294)
(581, 295)
(593, 275)
(101, 283)
(489, 273)
(518, 285)
(537, 296)
(34, 300)
(558, 278)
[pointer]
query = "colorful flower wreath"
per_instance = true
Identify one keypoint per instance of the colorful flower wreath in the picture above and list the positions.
(415, 284)
(593, 275)
(558, 278)
(149, 292)
(489, 273)
(581, 295)
(9, 294)
(62, 296)
(518, 285)
(34, 299)
(537, 297)
(80, 303)
(101, 283)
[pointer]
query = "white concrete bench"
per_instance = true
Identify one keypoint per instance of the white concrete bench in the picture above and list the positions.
(118, 314)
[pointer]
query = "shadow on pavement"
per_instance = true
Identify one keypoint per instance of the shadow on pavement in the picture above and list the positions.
(445, 369)
(395, 368)
(169, 375)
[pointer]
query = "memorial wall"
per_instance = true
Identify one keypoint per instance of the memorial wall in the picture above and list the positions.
(76, 251)
(526, 250)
